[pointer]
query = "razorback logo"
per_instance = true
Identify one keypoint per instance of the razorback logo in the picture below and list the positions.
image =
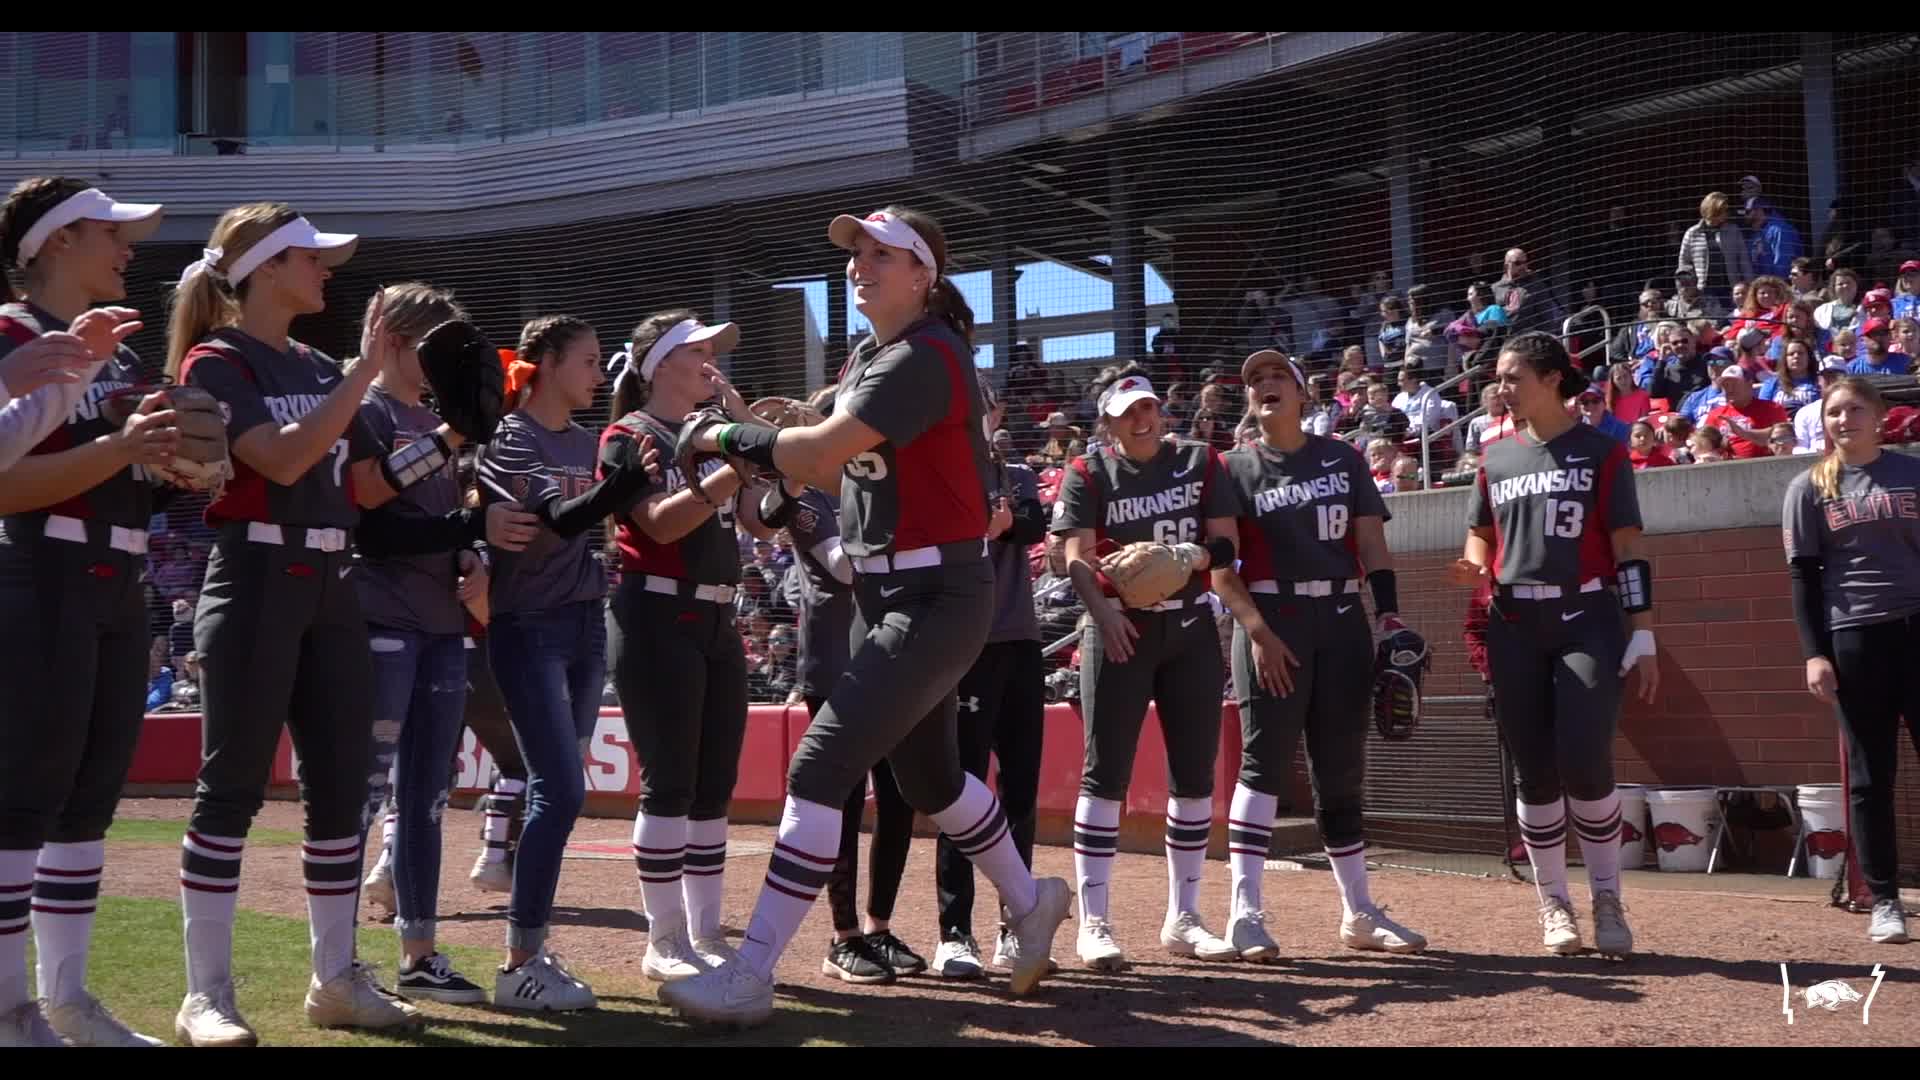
(1671, 836)
(879, 215)
(1628, 834)
(1827, 844)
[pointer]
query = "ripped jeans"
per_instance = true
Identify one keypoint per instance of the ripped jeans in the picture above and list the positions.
(419, 706)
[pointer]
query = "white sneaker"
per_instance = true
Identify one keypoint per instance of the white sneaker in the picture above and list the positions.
(542, 984)
(1611, 934)
(714, 951)
(86, 1022)
(1247, 933)
(1097, 947)
(491, 875)
(212, 1019)
(1053, 900)
(959, 959)
(1888, 926)
(378, 888)
(27, 1026)
(1185, 935)
(1006, 953)
(1370, 929)
(732, 994)
(1562, 930)
(670, 953)
(355, 1000)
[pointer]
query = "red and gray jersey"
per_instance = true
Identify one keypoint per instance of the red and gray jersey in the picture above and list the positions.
(1297, 509)
(927, 483)
(1166, 499)
(1553, 506)
(127, 497)
(411, 592)
(529, 465)
(710, 554)
(258, 384)
(826, 604)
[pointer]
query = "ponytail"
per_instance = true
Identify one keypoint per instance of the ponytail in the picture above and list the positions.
(543, 338)
(945, 302)
(201, 305)
(1825, 473)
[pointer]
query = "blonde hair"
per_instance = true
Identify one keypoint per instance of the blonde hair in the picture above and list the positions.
(1713, 206)
(410, 309)
(1825, 473)
(206, 302)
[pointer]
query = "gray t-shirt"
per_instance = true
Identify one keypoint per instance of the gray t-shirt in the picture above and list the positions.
(529, 465)
(1868, 539)
(1553, 506)
(1013, 618)
(826, 605)
(1297, 509)
(411, 592)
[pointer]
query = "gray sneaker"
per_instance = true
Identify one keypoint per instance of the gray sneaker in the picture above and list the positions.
(1889, 923)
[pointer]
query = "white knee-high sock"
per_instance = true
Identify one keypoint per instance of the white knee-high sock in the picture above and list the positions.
(1249, 838)
(978, 827)
(16, 903)
(1544, 828)
(1350, 874)
(503, 805)
(209, 891)
(659, 853)
(1189, 823)
(332, 870)
(704, 882)
(1096, 836)
(1597, 824)
(66, 887)
(803, 856)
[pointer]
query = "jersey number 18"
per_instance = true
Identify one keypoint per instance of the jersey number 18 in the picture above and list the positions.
(1332, 520)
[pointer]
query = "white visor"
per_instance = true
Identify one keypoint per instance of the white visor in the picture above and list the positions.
(1272, 356)
(724, 337)
(1120, 397)
(139, 219)
(334, 248)
(887, 229)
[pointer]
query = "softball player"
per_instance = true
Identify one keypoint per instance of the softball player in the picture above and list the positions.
(905, 445)
(1852, 533)
(1139, 487)
(279, 627)
(73, 643)
(546, 639)
(1553, 517)
(1311, 519)
(673, 612)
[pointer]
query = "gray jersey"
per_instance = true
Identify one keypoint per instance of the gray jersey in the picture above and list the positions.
(826, 604)
(1868, 539)
(411, 592)
(1553, 506)
(1013, 618)
(1297, 509)
(1166, 499)
(529, 465)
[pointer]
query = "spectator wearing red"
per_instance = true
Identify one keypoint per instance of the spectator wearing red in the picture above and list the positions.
(1644, 450)
(1875, 338)
(1906, 291)
(1750, 353)
(1745, 418)
(1764, 307)
(1625, 399)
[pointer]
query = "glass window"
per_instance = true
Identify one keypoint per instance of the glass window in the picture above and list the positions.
(633, 75)
(53, 98)
(290, 88)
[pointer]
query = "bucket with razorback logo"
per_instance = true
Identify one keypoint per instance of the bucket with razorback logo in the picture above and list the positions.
(1823, 816)
(1681, 830)
(1633, 826)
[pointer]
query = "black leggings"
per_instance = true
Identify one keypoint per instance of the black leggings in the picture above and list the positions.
(886, 857)
(1876, 689)
(1002, 715)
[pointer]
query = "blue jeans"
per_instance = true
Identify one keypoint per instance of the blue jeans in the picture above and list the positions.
(552, 668)
(419, 706)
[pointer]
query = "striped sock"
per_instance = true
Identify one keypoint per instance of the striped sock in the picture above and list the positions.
(1096, 836)
(659, 849)
(16, 898)
(1189, 823)
(1350, 874)
(1597, 824)
(66, 887)
(1544, 828)
(803, 856)
(389, 826)
(503, 806)
(332, 869)
(1249, 838)
(705, 882)
(209, 889)
(978, 827)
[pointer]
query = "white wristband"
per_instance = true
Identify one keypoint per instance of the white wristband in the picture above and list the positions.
(1639, 645)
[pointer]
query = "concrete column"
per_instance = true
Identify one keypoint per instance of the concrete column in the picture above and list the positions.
(1006, 304)
(1823, 156)
(1129, 269)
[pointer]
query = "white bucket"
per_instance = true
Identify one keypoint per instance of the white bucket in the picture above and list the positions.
(1633, 826)
(1823, 813)
(1682, 826)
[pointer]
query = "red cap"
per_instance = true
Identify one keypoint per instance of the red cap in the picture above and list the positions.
(1874, 326)
(1911, 266)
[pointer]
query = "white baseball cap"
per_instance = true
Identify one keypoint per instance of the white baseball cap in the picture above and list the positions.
(1272, 356)
(138, 220)
(334, 248)
(685, 332)
(1120, 397)
(887, 229)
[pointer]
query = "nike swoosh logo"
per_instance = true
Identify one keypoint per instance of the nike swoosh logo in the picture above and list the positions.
(886, 593)
(1571, 460)
(1193, 881)
(327, 381)
(1330, 464)
(757, 941)
(1182, 472)
(1092, 885)
(345, 570)
(1343, 610)
(1569, 616)
(1184, 623)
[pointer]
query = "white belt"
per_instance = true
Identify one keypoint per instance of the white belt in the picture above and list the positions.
(73, 530)
(1548, 592)
(1169, 605)
(912, 559)
(1306, 588)
(263, 532)
(715, 594)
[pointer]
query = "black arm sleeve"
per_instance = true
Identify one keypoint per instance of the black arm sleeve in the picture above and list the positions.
(1810, 608)
(382, 535)
(611, 495)
(1029, 524)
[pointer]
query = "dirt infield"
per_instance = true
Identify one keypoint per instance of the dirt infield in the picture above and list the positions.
(1708, 972)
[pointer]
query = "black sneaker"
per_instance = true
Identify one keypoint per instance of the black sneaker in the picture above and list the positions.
(894, 953)
(855, 961)
(435, 980)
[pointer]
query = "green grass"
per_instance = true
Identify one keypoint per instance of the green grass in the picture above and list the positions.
(138, 969)
(170, 832)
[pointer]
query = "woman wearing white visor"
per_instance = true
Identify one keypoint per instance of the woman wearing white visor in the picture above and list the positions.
(281, 635)
(906, 449)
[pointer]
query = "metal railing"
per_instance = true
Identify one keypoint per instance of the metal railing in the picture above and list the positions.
(1064, 67)
(1467, 371)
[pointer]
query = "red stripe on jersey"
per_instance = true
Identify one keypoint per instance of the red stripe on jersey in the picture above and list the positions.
(639, 554)
(1596, 540)
(1099, 498)
(1499, 539)
(244, 498)
(938, 480)
(1256, 555)
(16, 331)
(58, 440)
